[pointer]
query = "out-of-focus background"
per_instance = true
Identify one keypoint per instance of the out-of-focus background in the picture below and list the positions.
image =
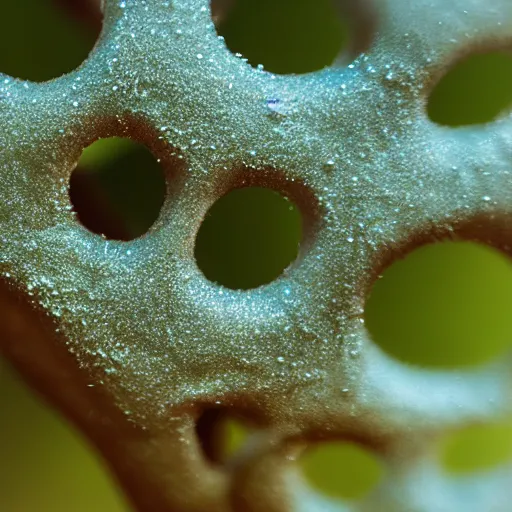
(445, 306)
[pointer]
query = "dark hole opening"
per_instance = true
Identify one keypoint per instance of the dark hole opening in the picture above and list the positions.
(476, 90)
(117, 189)
(43, 39)
(222, 434)
(248, 238)
(285, 36)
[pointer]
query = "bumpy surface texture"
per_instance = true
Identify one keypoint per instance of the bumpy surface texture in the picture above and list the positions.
(134, 343)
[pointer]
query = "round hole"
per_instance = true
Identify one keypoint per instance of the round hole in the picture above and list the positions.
(248, 238)
(289, 36)
(341, 470)
(477, 448)
(117, 189)
(476, 90)
(41, 41)
(444, 305)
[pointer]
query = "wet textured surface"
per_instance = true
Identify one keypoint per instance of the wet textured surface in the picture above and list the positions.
(142, 335)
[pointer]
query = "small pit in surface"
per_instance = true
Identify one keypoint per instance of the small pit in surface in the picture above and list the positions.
(117, 189)
(248, 238)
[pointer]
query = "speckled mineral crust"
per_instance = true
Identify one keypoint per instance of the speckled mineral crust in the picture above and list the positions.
(133, 342)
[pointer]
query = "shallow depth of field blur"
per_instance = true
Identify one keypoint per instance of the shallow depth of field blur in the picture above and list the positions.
(445, 306)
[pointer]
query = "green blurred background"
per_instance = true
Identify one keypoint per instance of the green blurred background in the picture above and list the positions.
(445, 306)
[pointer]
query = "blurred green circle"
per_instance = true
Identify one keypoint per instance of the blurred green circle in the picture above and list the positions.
(444, 305)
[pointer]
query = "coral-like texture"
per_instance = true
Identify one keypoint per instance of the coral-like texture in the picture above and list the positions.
(133, 342)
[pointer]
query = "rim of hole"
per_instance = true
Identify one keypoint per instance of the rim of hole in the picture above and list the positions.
(118, 188)
(320, 35)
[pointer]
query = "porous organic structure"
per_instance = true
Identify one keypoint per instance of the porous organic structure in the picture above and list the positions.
(134, 343)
